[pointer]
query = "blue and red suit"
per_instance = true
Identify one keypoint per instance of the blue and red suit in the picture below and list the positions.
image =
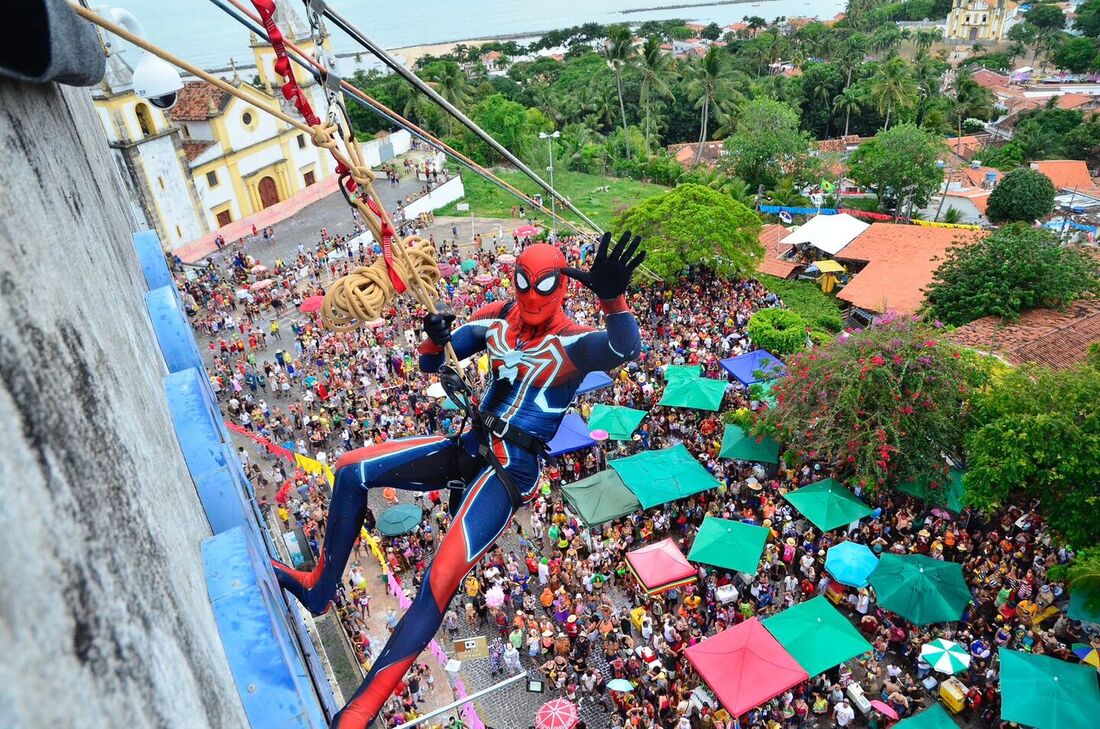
(538, 357)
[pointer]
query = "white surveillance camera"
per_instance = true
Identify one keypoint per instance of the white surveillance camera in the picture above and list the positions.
(157, 82)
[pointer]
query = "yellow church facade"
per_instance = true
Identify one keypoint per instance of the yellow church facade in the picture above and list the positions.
(977, 21)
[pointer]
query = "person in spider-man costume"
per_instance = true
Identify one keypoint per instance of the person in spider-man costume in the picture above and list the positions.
(538, 357)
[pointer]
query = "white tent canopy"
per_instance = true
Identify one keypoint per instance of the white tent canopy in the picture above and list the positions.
(828, 233)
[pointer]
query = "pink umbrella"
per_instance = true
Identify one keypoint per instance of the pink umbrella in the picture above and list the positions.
(259, 269)
(312, 303)
(507, 258)
(525, 231)
(447, 270)
(557, 714)
(483, 278)
(599, 434)
(375, 323)
(884, 708)
(261, 285)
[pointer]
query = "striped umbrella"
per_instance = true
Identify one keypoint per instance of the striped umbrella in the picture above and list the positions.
(557, 714)
(945, 656)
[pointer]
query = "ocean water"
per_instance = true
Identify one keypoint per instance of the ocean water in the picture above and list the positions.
(200, 32)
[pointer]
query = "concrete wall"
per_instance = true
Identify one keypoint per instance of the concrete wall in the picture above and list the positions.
(445, 194)
(104, 615)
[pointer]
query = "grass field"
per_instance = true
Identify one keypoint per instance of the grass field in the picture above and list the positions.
(489, 201)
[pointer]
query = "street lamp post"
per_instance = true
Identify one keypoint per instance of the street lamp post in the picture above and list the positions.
(553, 194)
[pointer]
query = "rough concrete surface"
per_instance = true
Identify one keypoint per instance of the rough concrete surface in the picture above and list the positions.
(104, 617)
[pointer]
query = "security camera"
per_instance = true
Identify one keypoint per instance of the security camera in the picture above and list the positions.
(154, 80)
(157, 82)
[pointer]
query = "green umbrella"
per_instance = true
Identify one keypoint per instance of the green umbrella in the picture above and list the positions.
(619, 422)
(920, 589)
(938, 491)
(763, 391)
(817, 635)
(934, 717)
(945, 656)
(401, 519)
(657, 477)
(731, 545)
(674, 371)
(469, 265)
(828, 504)
(693, 392)
(738, 444)
(600, 498)
(1046, 693)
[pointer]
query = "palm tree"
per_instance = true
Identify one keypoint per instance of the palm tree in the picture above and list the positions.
(851, 56)
(619, 50)
(848, 100)
(655, 67)
(925, 39)
(785, 194)
(968, 99)
(708, 83)
(451, 84)
(822, 93)
(893, 88)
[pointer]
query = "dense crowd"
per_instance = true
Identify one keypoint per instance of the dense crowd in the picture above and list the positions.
(560, 601)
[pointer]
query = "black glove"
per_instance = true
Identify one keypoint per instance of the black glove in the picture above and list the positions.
(611, 270)
(437, 327)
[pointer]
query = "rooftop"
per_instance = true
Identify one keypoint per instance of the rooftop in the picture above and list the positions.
(193, 148)
(199, 101)
(1045, 337)
(773, 263)
(901, 260)
(1066, 174)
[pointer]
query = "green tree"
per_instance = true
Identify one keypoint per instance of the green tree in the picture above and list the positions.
(1046, 17)
(505, 121)
(847, 101)
(1076, 54)
(885, 403)
(780, 331)
(620, 55)
(655, 68)
(900, 165)
(1036, 435)
(767, 143)
(1088, 18)
(449, 80)
(1013, 269)
(968, 99)
(691, 226)
(1082, 574)
(1023, 195)
(711, 32)
(893, 88)
(708, 83)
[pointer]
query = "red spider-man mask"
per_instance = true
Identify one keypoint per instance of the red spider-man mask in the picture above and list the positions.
(540, 284)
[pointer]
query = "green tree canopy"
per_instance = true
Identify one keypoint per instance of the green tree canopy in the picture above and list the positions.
(900, 164)
(1088, 18)
(767, 144)
(1076, 54)
(693, 225)
(1046, 17)
(1036, 435)
(780, 331)
(885, 403)
(1013, 269)
(1024, 195)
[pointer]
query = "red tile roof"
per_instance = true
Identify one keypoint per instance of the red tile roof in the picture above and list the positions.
(196, 99)
(192, 149)
(967, 147)
(772, 264)
(1066, 174)
(1045, 337)
(989, 79)
(901, 260)
(685, 153)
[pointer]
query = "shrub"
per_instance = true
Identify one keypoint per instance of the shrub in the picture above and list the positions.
(818, 309)
(780, 331)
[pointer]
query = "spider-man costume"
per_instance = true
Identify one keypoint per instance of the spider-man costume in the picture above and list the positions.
(538, 357)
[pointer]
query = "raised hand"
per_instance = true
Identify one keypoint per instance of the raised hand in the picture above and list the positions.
(612, 269)
(437, 327)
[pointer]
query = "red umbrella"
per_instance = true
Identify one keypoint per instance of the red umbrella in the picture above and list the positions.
(525, 231)
(556, 714)
(885, 709)
(313, 303)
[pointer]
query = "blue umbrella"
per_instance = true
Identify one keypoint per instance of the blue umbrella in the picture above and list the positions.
(850, 563)
(401, 519)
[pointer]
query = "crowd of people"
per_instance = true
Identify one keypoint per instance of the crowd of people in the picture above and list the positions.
(555, 595)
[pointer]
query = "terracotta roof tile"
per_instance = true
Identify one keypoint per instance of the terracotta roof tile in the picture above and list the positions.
(989, 79)
(1066, 174)
(199, 101)
(773, 264)
(193, 148)
(1045, 337)
(901, 260)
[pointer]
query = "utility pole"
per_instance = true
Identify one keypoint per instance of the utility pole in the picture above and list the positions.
(550, 137)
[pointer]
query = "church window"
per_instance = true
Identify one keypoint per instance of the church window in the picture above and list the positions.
(301, 141)
(212, 178)
(145, 123)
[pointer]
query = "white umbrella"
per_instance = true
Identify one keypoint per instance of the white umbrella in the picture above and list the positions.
(436, 390)
(945, 656)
